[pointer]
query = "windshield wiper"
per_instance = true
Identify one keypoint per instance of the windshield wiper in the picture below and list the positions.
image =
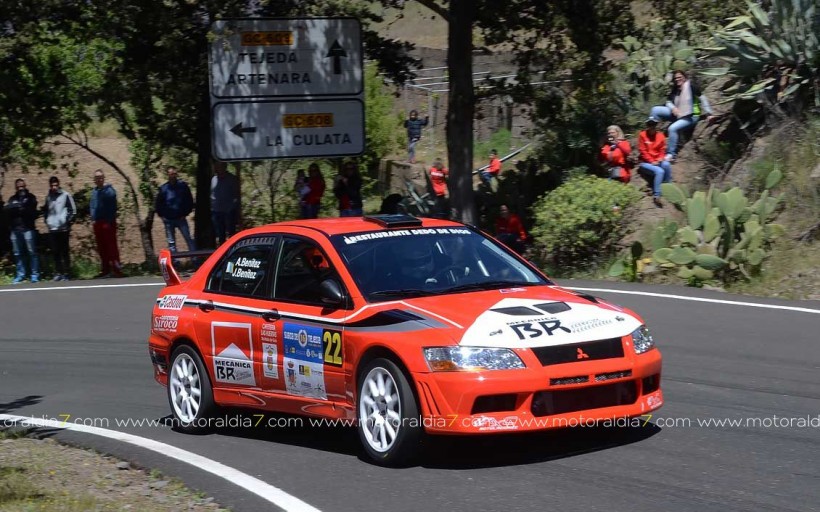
(487, 285)
(408, 292)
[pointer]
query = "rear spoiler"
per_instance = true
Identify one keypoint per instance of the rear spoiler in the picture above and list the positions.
(166, 263)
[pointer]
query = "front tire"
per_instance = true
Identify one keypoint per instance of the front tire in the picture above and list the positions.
(388, 416)
(189, 391)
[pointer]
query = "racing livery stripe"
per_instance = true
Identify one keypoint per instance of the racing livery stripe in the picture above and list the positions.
(421, 321)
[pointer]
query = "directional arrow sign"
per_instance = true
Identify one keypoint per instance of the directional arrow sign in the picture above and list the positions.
(287, 129)
(258, 58)
(239, 131)
(336, 53)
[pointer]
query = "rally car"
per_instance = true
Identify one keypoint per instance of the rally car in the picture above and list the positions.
(403, 326)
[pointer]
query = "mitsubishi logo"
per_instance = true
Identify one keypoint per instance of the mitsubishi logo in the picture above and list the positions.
(582, 354)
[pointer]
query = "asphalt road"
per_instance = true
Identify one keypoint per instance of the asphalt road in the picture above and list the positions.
(82, 352)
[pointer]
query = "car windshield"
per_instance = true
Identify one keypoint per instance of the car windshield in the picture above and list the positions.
(400, 263)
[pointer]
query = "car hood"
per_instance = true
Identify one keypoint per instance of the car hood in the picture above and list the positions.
(527, 317)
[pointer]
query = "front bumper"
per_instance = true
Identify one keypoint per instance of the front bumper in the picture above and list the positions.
(540, 398)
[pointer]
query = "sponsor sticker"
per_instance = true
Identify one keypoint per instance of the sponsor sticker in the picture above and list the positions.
(270, 364)
(233, 353)
(163, 265)
(490, 423)
(269, 334)
(302, 361)
(165, 323)
(653, 402)
(375, 235)
(173, 302)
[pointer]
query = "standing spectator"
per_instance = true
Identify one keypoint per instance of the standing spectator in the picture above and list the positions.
(224, 202)
(22, 211)
(104, 216)
(652, 145)
(348, 189)
(438, 178)
(173, 205)
(615, 154)
(509, 230)
(59, 211)
(316, 182)
(684, 107)
(490, 175)
(302, 190)
(414, 126)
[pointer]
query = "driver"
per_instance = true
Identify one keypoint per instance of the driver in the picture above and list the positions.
(416, 263)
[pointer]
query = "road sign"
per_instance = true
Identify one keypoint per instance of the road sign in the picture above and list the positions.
(259, 58)
(267, 129)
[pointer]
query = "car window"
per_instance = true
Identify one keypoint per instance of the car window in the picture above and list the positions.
(301, 268)
(390, 264)
(245, 270)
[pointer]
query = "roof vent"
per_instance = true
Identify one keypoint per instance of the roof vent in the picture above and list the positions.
(398, 220)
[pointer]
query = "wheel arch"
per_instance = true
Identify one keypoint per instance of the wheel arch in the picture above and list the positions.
(380, 351)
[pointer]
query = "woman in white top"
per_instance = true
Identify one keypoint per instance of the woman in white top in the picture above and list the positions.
(684, 108)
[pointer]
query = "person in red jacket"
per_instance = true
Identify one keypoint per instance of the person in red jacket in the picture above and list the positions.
(490, 175)
(652, 145)
(438, 178)
(509, 230)
(316, 183)
(615, 153)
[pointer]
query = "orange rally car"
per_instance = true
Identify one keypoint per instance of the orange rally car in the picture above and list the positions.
(404, 326)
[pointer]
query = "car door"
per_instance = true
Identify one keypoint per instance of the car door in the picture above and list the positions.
(313, 337)
(235, 315)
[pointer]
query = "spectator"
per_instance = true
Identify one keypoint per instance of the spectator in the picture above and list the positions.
(652, 145)
(302, 189)
(615, 155)
(59, 211)
(684, 107)
(173, 205)
(414, 126)
(224, 202)
(438, 178)
(104, 216)
(316, 182)
(490, 175)
(509, 230)
(22, 211)
(348, 189)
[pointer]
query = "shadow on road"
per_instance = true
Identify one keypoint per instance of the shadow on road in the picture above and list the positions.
(8, 407)
(440, 452)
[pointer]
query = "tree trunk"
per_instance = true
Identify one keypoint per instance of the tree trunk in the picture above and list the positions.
(147, 238)
(202, 210)
(461, 109)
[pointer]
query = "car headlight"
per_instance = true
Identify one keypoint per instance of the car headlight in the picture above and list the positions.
(445, 359)
(642, 341)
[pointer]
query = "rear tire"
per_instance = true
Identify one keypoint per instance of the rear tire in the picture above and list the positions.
(388, 415)
(189, 391)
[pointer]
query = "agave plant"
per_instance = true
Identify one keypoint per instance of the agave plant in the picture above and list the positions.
(768, 52)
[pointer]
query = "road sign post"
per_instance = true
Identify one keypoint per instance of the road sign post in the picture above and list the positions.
(286, 88)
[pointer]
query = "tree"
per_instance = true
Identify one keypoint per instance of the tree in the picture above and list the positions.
(561, 41)
(157, 90)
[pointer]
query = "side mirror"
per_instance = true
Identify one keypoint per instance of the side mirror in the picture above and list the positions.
(331, 293)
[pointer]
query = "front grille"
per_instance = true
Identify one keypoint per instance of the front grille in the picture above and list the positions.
(587, 351)
(563, 381)
(601, 377)
(548, 403)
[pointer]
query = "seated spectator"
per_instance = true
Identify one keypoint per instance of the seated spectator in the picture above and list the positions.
(615, 155)
(438, 179)
(509, 230)
(490, 175)
(684, 108)
(652, 145)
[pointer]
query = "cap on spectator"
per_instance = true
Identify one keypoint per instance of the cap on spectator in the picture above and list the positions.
(651, 120)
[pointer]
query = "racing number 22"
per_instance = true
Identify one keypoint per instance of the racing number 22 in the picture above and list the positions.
(332, 340)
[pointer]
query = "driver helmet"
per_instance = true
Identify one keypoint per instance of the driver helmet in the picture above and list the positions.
(415, 259)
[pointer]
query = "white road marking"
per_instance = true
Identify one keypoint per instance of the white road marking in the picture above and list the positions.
(700, 299)
(262, 489)
(78, 287)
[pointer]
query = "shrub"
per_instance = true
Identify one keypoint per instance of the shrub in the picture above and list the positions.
(582, 219)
